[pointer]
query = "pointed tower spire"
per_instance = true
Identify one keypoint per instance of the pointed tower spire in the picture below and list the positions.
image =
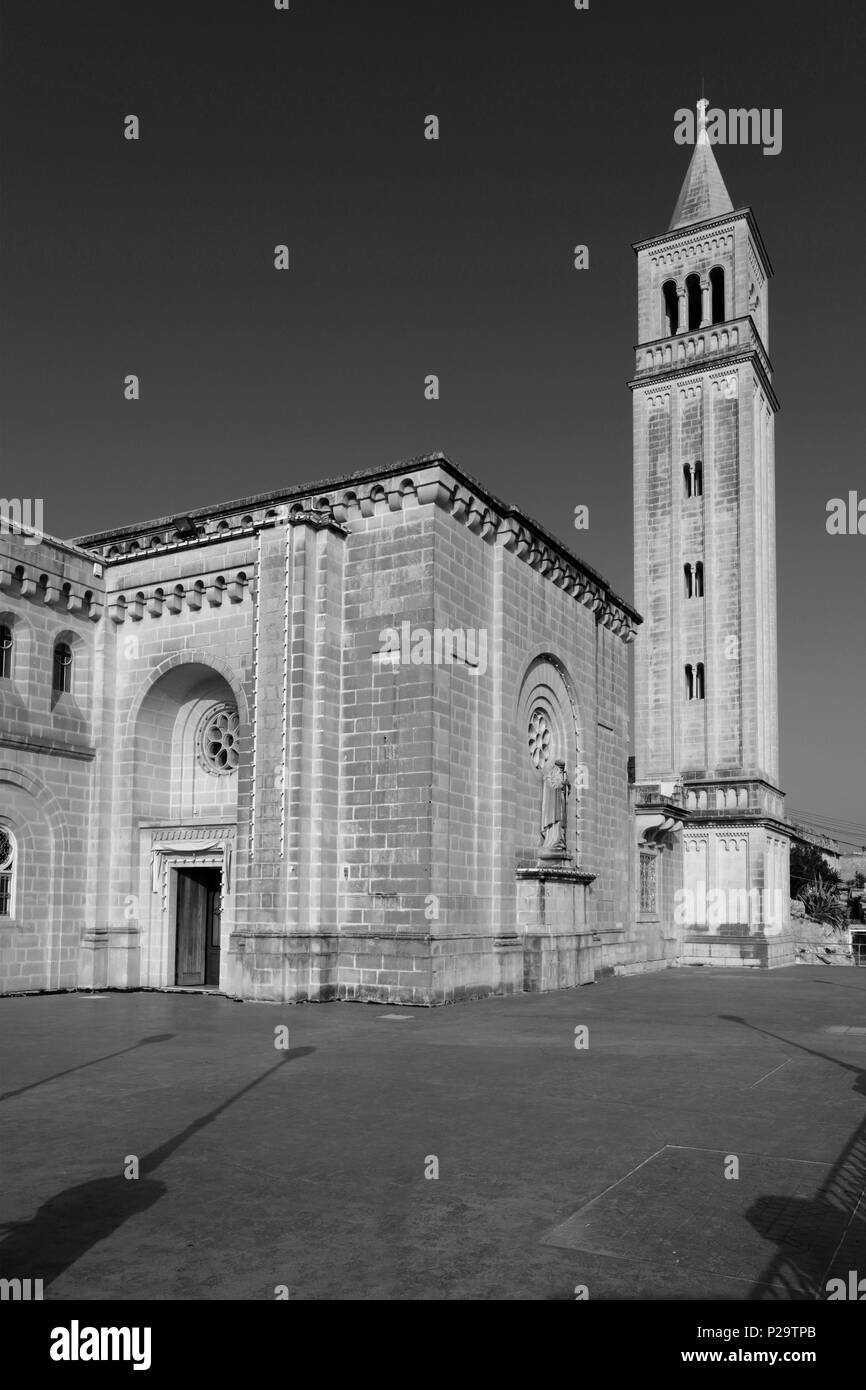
(703, 193)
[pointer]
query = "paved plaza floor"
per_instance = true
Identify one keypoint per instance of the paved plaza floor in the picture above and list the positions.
(708, 1141)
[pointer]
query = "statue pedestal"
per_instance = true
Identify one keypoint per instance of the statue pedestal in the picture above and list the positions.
(559, 949)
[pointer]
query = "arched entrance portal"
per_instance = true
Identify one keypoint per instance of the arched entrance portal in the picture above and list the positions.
(187, 742)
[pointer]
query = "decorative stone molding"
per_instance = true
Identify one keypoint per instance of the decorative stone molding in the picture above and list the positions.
(726, 386)
(655, 828)
(27, 581)
(720, 797)
(427, 482)
(209, 846)
(691, 241)
(689, 249)
(732, 839)
(157, 602)
(552, 872)
(216, 740)
(674, 362)
(145, 543)
(756, 269)
(25, 744)
(539, 737)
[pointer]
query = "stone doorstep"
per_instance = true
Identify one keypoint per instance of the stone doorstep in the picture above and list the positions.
(189, 989)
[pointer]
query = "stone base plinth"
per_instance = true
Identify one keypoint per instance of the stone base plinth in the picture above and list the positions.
(560, 962)
(109, 958)
(742, 949)
(552, 895)
(395, 968)
(277, 968)
(559, 950)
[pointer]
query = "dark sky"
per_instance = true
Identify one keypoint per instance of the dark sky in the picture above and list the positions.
(411, 257)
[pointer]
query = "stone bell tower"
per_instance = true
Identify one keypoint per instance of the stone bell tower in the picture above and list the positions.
(706, 727)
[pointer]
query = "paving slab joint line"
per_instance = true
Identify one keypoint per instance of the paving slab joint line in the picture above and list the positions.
(822, 1282)
(623, 1179)
(769, 1073)
(752, 1153)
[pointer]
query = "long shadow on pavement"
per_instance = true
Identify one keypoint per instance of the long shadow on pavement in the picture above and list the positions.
(142, 1042)
(69, 1224)
(805, 1230)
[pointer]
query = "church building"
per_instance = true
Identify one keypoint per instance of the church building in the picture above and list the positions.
(368, 738)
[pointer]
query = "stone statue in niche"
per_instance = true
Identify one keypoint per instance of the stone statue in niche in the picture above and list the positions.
(554, 813)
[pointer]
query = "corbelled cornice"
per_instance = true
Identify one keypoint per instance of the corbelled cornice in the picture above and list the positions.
(29, 581)
(432, 480)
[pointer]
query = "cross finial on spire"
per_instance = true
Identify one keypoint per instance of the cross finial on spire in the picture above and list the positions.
(703, 138)
(703, 194)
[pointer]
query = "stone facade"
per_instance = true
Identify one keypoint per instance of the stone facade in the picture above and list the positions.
(706, 708)
(320, 720)
(296, 747)
(47, 760)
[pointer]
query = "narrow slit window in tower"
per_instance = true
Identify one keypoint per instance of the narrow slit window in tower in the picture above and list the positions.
(693, 296)
(717, 294)
(62, 682)
(5, 652)
(670, 310)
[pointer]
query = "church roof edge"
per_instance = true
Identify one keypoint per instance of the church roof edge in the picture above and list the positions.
(320, 486)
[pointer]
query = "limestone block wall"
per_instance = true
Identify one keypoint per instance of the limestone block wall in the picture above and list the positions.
(657, 659)
(386, 724)
(178, 638)
(731, 627)
(729, 660)
(48, 593)
(45, 804)
(386, 648)
(541, 645)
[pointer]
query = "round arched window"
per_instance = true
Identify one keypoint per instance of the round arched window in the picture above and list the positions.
(5, 651)
(218, 736)
(62, 678)
(7, 873)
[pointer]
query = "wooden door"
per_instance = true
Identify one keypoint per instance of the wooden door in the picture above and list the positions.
(213, 924)
(198, 926)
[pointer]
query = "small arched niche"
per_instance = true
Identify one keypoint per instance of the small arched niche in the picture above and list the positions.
(546, 729)
(187, 747)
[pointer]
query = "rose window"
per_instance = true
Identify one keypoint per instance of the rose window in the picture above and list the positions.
(539, 739)
(218, 739)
